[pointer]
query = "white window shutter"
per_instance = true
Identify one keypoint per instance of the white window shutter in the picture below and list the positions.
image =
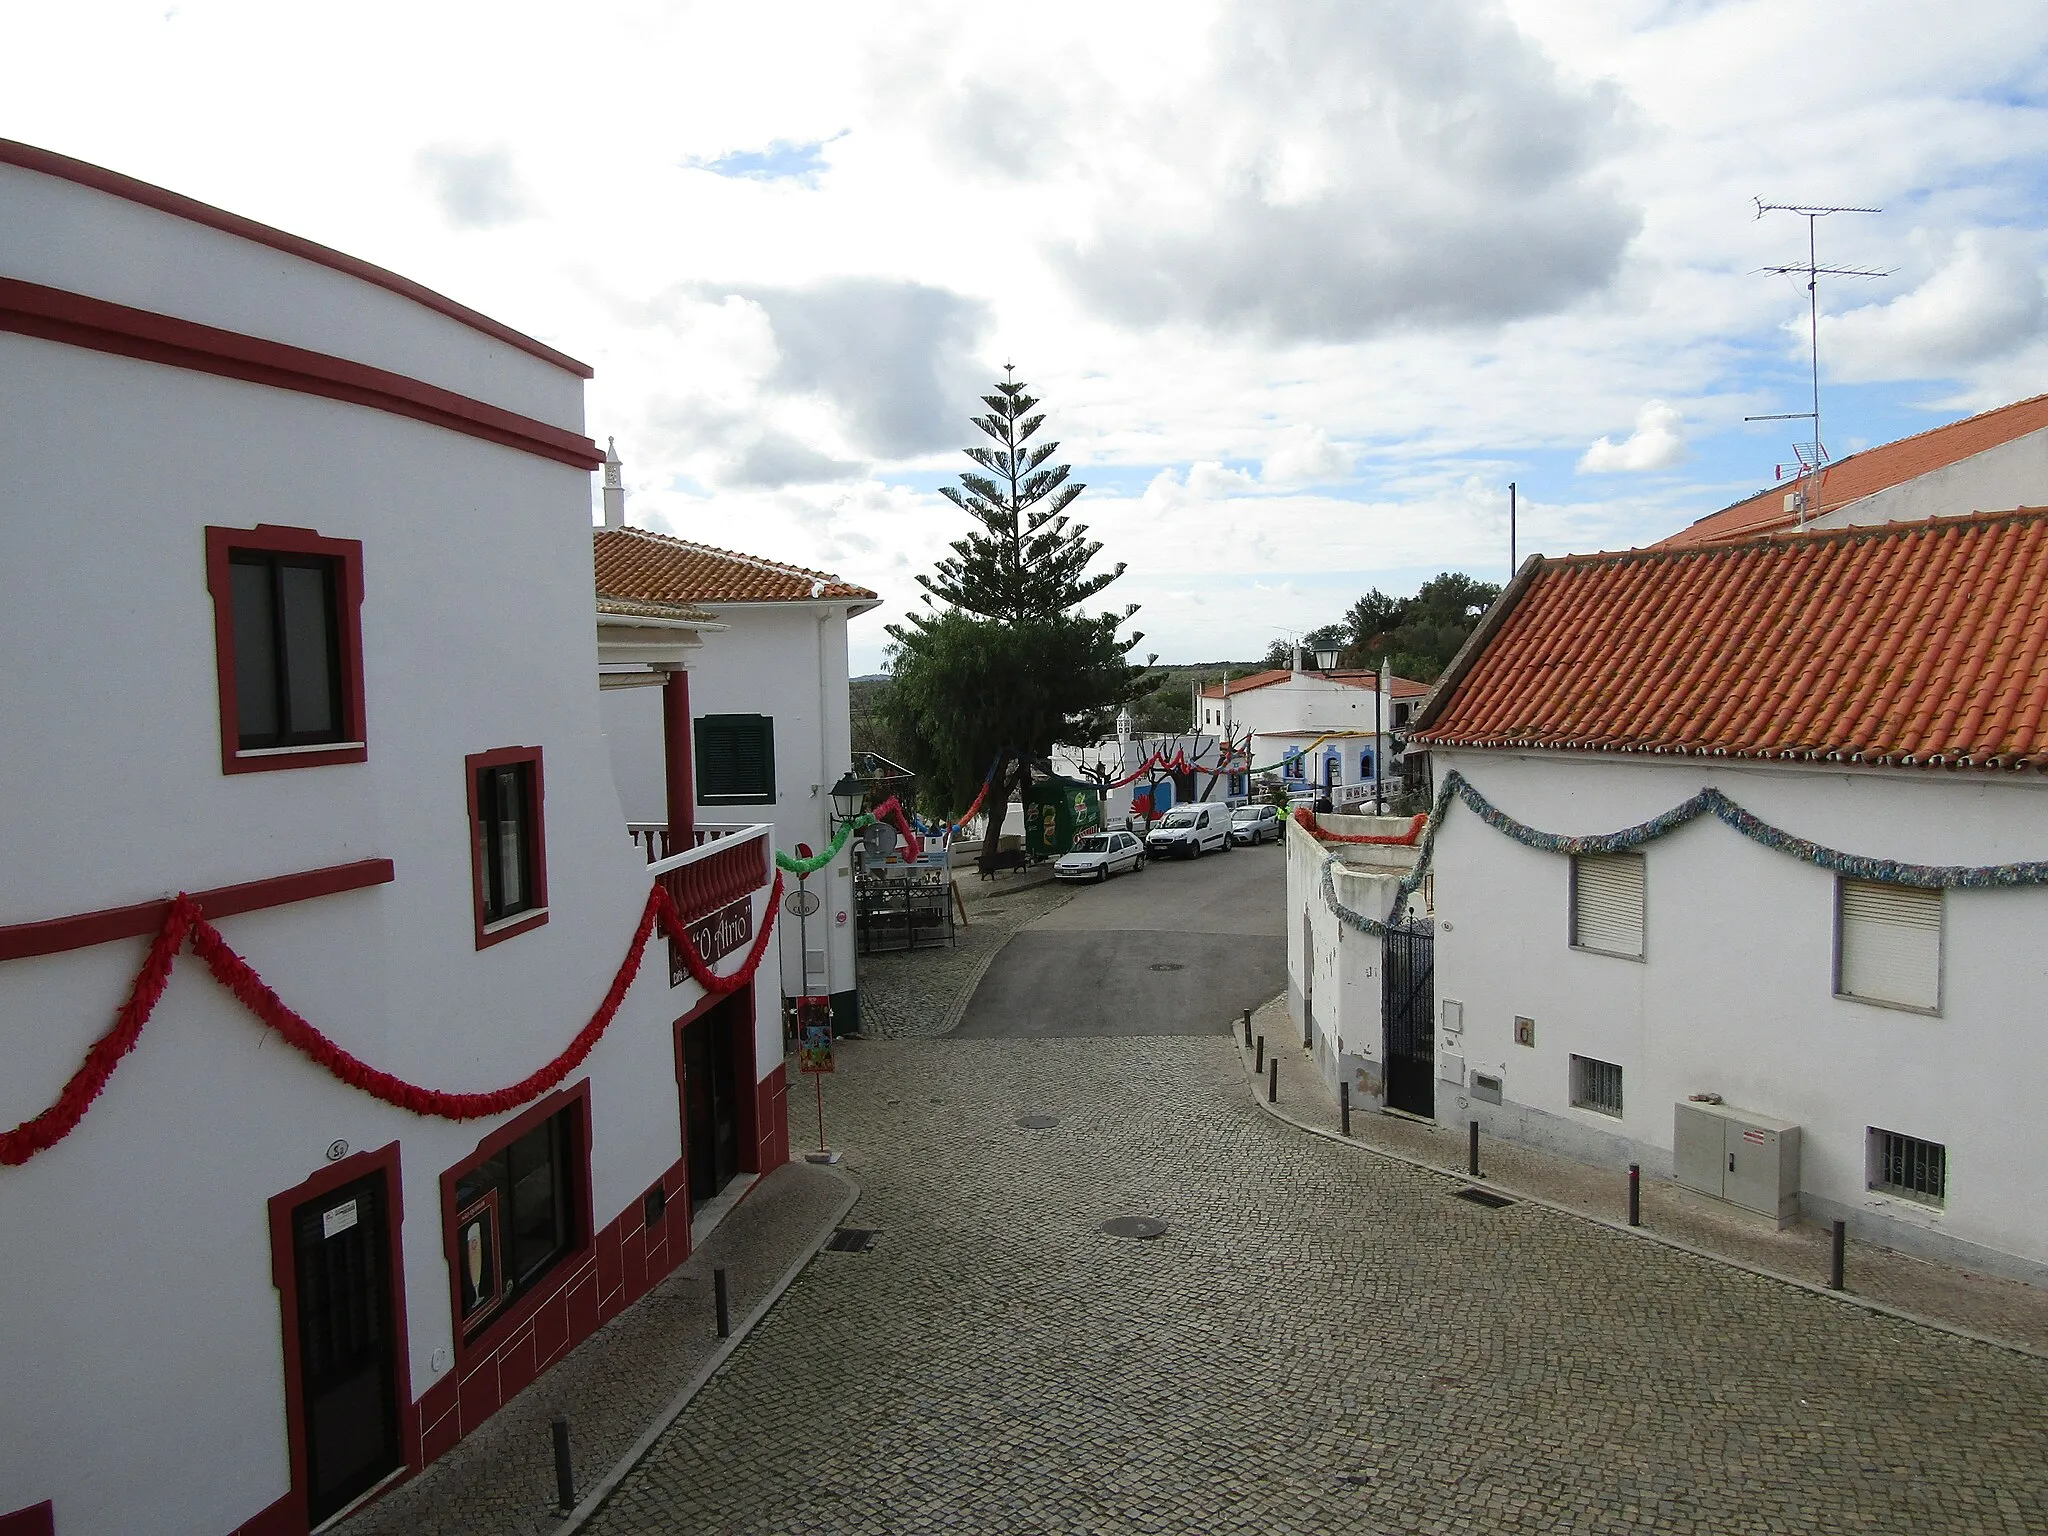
(1607, 903)
(1891, 943)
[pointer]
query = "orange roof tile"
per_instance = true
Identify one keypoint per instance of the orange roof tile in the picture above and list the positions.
(1904, 643)
(1866, 473)
(1350, 677)
(638, 566)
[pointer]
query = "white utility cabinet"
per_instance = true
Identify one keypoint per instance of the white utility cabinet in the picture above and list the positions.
(1737, 1155)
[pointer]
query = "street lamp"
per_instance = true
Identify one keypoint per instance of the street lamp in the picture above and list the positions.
(1326, 658)
(847, 796)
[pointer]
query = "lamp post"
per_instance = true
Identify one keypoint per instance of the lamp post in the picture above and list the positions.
(1326, 658)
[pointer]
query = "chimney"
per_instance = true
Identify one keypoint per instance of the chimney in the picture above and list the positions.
(614, 487)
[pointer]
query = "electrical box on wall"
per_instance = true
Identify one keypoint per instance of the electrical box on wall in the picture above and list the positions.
(1747, 1159)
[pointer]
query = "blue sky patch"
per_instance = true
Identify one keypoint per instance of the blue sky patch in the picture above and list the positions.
(782, 160)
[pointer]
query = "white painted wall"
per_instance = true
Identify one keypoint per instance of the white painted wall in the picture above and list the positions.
(788, 661)
(1735, 993)
(1343, 964)
(2013, 474)
(136, 1260)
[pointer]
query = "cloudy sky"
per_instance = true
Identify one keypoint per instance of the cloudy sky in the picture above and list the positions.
(1303, 285)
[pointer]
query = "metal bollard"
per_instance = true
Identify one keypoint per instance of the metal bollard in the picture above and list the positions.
(1472, 1155)
(1344, 1106)
(1273, 1081)
(1635, 1194)
(1247, 1026)
(565, 1471)
(1260, 1064)
(718, 1291)
(1839, 1249)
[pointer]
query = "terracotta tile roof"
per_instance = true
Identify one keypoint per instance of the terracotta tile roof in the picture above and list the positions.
(1350, 677)
(638, 566)
(637, 608)
(1905, 643)
(1866, 473)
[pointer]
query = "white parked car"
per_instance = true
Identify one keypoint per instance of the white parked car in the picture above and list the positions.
(1255, 824)
(1188, 830)
(1098, 855)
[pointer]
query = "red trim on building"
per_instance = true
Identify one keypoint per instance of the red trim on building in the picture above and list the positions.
(771, 1120)
(55, 935)
(54, 314)
(717, 879)
(289, 1513)
(522, 922)
(347, 555)
(36, 1520)
(49, 163)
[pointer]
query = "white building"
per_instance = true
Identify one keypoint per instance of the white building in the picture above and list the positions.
(1316, 728)
(769, 702)
(1172, 770)
(1817, 704)
(1981, 463)
(295, 566)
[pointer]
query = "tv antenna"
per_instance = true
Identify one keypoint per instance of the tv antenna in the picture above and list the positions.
(1812, 457)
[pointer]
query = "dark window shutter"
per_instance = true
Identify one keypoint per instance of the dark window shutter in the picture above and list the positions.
(735, 759)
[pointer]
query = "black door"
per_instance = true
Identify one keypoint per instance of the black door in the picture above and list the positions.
(348, 1345)
(1408, 998)
(711, 1121)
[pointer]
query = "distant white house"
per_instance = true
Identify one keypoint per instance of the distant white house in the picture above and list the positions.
(1172, 769)
(766, 702)
(295, 568)
(1753, 823)
(1316, 728)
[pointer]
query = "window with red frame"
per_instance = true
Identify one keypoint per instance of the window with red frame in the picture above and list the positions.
(288, 642)
(508, 843)
(515, 1217)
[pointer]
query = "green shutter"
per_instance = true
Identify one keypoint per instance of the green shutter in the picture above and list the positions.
(735, 759)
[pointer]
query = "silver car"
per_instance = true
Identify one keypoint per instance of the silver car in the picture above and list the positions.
(1251, 825)
(1098, 855)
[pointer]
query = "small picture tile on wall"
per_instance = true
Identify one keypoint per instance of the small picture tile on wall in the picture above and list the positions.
(1525, 1031)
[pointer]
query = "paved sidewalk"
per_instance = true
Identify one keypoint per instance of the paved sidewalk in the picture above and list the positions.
(500, 1481)
(921, 992)
(1991, 1306)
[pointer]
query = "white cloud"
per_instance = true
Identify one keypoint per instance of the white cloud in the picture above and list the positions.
(476, 188)
(1985, 301)
(1305, 456)
(1658, 442)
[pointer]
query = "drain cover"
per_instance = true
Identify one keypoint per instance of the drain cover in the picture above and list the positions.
(1134, 1226)
(1038, 1122)
(851, 1240)
(1169, 965)
(1487, 1198)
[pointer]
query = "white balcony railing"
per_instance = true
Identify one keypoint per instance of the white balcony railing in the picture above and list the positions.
(651, 837)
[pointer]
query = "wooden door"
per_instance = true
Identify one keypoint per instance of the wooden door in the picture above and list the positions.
(711, 1120)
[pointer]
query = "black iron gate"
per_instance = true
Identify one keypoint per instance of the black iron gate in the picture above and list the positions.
(1408, 1001)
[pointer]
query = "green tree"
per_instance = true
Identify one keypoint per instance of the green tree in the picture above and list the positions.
(1007, 667)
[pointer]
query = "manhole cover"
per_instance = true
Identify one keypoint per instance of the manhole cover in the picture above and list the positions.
(1169, 965)
(1134, 1226)
(1038, 1122)
(1487, 1198)
(851, 1240)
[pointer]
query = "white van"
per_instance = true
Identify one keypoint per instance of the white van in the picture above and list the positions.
(1189, 829)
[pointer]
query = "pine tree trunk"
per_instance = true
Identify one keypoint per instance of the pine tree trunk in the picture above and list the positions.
(998, 810)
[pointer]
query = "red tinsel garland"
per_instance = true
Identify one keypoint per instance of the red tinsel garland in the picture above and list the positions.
(239, 977)
(1309, 824)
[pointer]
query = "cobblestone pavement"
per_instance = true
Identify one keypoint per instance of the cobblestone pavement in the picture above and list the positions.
(921, 992)
(500, 1481)
(1323, 1341)
(1988, 1304)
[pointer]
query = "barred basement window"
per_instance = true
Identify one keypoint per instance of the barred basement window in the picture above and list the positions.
(1607, 904)
(1596, 1085)
(1888, 944)
(735, 759)
(1905, 1165)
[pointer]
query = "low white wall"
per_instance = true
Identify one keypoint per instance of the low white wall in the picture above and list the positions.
(1735, 992)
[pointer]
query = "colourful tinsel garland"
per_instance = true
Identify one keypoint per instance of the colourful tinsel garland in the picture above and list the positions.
(185, 919)
(1708, 802)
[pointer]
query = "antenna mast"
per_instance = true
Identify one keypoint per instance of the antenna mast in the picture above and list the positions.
(1813, 456)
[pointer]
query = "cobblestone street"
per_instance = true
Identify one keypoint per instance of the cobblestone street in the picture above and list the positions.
(1321, 1341)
